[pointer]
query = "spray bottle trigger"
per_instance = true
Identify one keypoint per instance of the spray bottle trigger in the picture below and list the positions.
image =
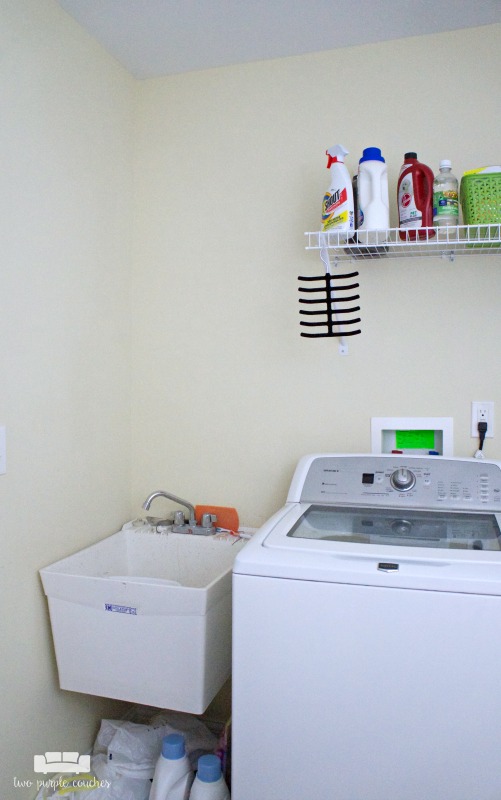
(336, 153)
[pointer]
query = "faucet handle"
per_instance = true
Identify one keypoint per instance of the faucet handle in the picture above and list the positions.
(207, 520)
(178, 518)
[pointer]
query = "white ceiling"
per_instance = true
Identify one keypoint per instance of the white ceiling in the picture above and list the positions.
(160, 37)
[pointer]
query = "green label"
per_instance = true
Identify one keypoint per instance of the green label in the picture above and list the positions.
(445, 204)
(415, 440)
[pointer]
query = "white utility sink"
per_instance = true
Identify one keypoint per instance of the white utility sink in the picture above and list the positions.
(145, 617)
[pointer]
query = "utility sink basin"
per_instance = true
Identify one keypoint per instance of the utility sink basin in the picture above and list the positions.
(145, 617)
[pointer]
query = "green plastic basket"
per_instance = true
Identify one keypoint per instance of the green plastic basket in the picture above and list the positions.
(481, 198)
(481, 201)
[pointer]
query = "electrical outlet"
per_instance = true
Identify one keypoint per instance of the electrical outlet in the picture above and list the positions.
(482, 411)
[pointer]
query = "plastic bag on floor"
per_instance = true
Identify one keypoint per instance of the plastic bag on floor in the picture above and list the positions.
(89, 787)
(133, 749)
(126, 749)
(124, 757)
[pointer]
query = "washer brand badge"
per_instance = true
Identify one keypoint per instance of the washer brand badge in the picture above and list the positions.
(120, 609)
(388, 566)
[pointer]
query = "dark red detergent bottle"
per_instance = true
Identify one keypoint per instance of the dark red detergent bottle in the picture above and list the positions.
(415, 199)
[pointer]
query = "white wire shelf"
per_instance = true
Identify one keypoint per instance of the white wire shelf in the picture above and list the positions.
(445, 243)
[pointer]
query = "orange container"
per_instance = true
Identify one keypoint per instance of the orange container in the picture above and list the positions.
(225, 517)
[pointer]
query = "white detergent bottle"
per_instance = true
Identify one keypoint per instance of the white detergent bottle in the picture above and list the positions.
(373, 202)
(337, 207)
(209, 783)
(173, 774)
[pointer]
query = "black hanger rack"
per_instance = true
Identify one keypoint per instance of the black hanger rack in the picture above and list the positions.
(330, 299)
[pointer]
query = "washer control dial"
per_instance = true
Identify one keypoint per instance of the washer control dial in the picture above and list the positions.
(403, 479)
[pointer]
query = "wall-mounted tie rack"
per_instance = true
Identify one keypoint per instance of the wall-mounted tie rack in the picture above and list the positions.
(333, 299)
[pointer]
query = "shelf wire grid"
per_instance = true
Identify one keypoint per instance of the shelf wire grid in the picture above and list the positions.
(446, 242)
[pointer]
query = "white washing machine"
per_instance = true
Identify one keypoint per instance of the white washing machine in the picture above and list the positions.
(367, 635)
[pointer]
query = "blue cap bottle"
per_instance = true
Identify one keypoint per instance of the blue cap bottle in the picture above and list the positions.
(373, 202)
(173, 746)
(173, 774)
(209, 783)
(371, 154)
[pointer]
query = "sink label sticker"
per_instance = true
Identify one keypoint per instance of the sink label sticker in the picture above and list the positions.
(120, 609)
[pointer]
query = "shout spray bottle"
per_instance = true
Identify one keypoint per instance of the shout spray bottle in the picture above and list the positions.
(337, 207)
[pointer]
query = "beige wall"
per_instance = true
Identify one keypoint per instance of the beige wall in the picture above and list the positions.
(65, 214)
(199, 331)
(231, 172)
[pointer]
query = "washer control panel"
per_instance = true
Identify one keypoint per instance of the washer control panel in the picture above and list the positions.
(413, 481)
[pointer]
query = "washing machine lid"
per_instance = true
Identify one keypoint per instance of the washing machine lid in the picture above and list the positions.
(397, 528)
(385, 520)
(433, 551)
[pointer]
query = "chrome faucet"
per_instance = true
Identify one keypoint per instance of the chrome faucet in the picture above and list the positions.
(147, 503)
